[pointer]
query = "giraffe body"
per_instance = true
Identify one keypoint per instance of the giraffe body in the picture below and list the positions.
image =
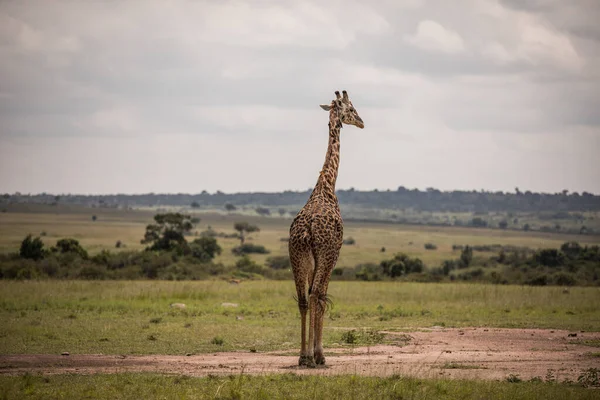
(316, 236)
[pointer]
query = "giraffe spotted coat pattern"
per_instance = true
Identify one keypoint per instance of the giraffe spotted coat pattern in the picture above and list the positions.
(316, 236)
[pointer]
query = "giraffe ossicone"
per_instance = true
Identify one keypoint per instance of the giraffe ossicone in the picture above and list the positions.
(316, 236)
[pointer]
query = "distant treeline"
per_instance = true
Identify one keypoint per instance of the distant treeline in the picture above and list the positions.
(402, 198)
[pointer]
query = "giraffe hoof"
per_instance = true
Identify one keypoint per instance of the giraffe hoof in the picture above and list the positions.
(307, 361)
(319, 359)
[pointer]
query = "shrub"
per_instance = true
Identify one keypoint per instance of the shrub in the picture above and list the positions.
(70, 246)
(564, 279)
(539, 280)
(400, 265)
(349, 241)
(466, 256)
(249, 248)
(245, 264)
(32, 248)
(479, 222)
(263, 211)
(205, 248)
(550, 258)
(278, 262)
(367, 272)
(91, 271)
(430, 246)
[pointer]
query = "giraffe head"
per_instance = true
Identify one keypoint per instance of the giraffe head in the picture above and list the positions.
(346, 111)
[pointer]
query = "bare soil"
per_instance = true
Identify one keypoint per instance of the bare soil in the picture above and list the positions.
(469, 353)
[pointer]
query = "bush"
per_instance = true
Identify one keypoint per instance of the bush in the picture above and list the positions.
(205, 248)
(400, 265)
(539, 280)
(479, 222)
(368, 272)
(245, 264)
(466, 256)
(91, 271)
(349, 241)
(564, 279)
(430, 246)
(550, 258)
(249, 248)
(70, 246)
(279, 262)
(32, 248)
(263, 211)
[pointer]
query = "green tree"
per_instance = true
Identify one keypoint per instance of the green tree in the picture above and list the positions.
(195, 204)
(205, 248)
(503, 224)
(466, 256)
(263, 211)
(244, 228)
(400, 265)
(230, 207)
(167, 233)
(68, 245)
(32, 248)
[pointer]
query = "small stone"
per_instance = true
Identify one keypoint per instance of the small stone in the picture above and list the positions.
(64, 353)
(178, 305)
(229, 304)
(239, 318)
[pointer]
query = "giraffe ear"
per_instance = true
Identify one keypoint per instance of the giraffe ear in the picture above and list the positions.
(325, 107)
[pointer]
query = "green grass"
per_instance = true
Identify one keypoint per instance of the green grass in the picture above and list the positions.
(287, 386)
(135, 317)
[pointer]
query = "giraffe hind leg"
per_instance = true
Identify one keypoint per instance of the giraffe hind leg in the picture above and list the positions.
(303, 271)
(324, 266)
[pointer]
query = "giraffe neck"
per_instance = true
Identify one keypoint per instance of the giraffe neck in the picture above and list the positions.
(326, 183)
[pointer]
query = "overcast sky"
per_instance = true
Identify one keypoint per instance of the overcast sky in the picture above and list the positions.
(184, 96)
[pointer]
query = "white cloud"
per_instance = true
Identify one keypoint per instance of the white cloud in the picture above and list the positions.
(432, 36)
(527, 38)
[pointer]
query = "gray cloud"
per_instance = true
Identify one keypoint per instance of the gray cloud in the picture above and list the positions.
(193, 95)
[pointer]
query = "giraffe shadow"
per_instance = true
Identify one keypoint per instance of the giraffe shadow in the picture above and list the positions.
(304, 367)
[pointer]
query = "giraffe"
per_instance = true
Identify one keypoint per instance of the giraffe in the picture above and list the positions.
(316, 236)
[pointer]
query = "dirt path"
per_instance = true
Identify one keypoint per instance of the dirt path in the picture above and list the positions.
(473, 353)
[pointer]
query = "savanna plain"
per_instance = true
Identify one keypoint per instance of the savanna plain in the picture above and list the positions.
(217, 339)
